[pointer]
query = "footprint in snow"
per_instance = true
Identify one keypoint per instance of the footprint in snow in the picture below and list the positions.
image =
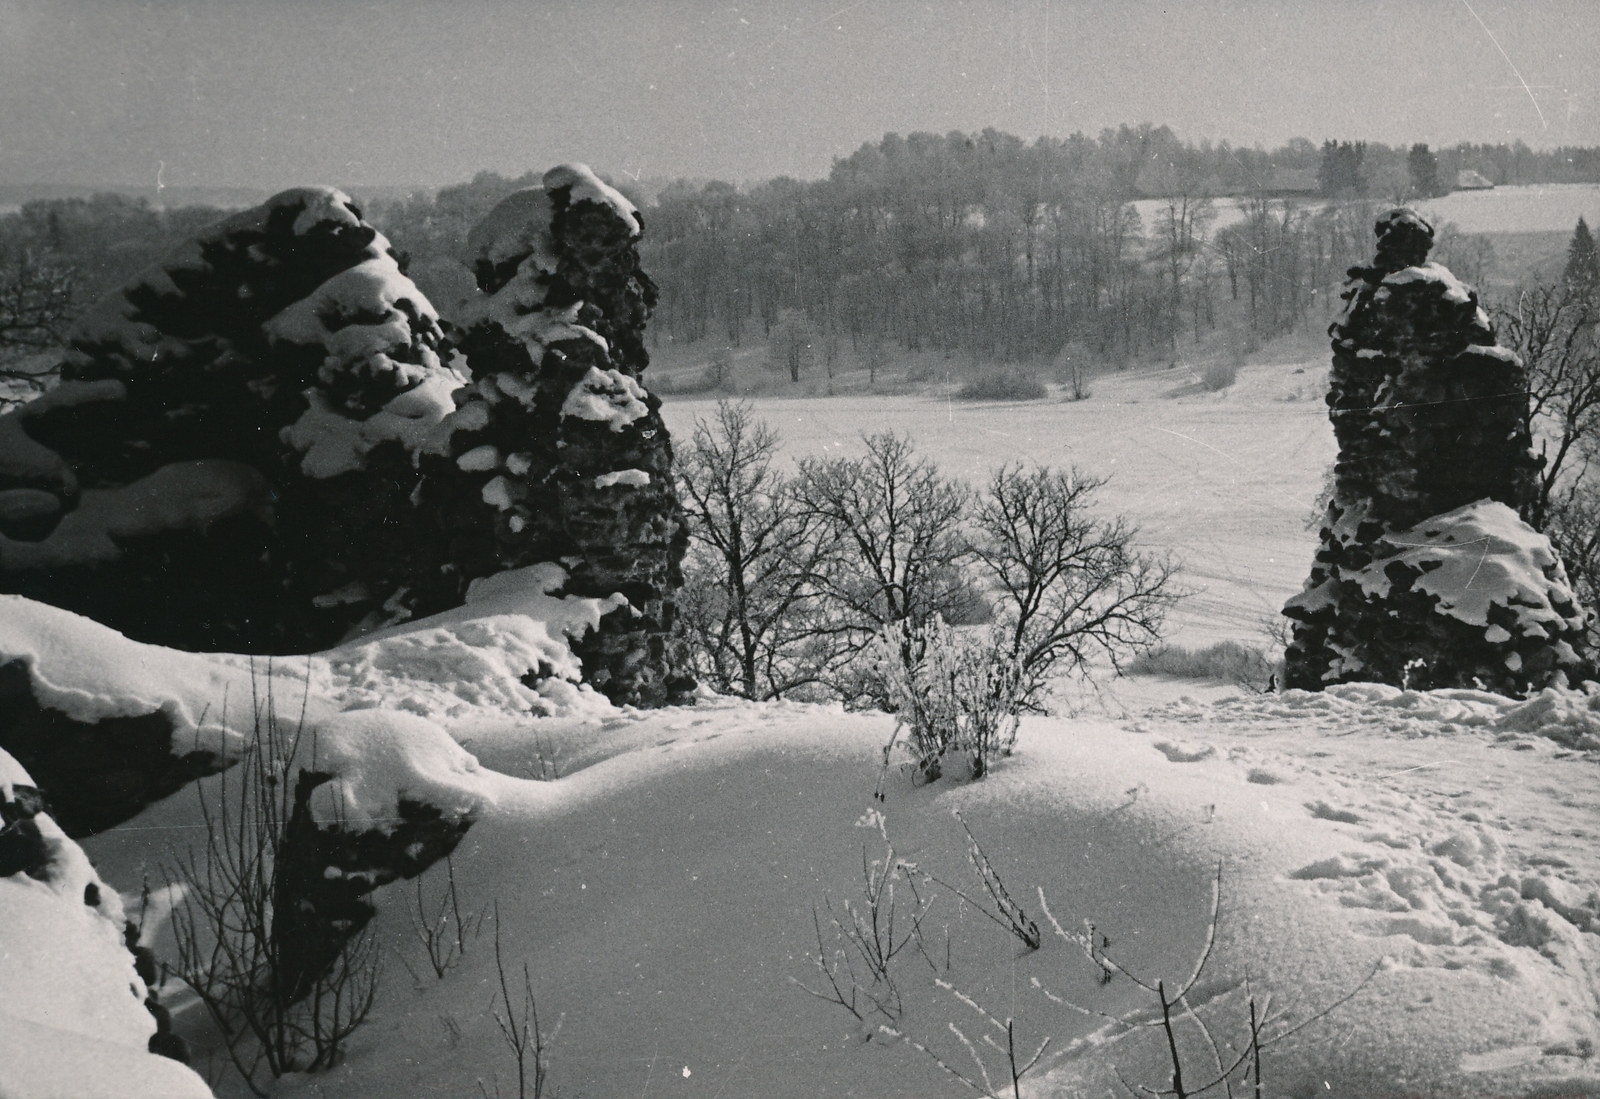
(1323, 811)
(1180, 752)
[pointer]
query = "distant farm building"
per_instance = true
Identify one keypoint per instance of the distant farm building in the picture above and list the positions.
(1468, 180)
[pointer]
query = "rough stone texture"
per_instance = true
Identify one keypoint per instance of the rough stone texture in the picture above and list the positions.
(227, 461)
(556, 451)
(1435, 475)
(101, 773)
(327, 870)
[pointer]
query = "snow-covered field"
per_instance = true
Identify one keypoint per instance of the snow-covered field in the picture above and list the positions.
(1529, 208)
(1433, 854)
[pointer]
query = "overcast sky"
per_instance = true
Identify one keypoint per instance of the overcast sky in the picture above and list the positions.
(268, 93)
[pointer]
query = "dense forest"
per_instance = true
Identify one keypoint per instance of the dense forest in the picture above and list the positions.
(980, 243)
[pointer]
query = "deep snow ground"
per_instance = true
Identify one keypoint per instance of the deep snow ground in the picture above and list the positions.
(662, 896)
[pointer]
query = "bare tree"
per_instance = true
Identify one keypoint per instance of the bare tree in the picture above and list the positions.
(35, 309)
(895, 523)
(792, 349)
(1181, 226)
(1553, 329)
(754, 558)
(230, 944)
(1072, 585)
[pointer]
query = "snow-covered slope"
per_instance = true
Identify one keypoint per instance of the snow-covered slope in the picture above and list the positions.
(661, 890)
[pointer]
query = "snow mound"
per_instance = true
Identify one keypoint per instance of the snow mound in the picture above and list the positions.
(72, 1014)
(331, 444)
(504, 655)
(1511, 608)
(116, 325)
(362, 318)
(481, 656)
(518, 231)
(180, 496)
(1473, 558)
(1454, 290)
(1568, 716)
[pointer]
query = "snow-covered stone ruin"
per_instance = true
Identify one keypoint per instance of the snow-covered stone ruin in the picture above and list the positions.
(269, 443)
(1428, 574)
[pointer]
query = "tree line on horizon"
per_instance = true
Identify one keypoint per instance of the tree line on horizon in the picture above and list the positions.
(987, 245)
(1009, 251)
(978, 243)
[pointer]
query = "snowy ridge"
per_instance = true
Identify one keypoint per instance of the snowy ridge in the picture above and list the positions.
(587, 187)
(1454, 289)
(362, 317)
(111, 320)
(72, 1015)
(25, 458)
(633, 478)
(1480, 555)
(383, 705)
(183, 495)
(1485, 565)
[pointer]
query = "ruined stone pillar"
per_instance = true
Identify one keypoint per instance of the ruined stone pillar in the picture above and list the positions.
(1427, 573)
(556, 451)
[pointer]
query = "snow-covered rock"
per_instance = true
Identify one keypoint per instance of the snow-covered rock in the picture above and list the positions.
(555, 419)
(1428, 573)
(234, 438)
(109, 725)
(73, 1020)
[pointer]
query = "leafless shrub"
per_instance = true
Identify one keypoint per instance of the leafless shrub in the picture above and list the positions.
(749, 601)
(440, 926)
(998, 1063)
(518, 1021)
(869, 935)
(1003, 384)
(1173, 1008)
(1225, 662)
(266, 1011)
(1070, 585)
(1219, 375)
(893, 525)
(1006, 913)
(951, 693)
(1552, 328)
(35, 309)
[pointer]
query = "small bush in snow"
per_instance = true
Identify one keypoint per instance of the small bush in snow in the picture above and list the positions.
(1224, 662)
(518, 1023)
(869, 934)
(1004, 384)
(267, 1008)
(441, 927)
(952, 693)
(1219, 375)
